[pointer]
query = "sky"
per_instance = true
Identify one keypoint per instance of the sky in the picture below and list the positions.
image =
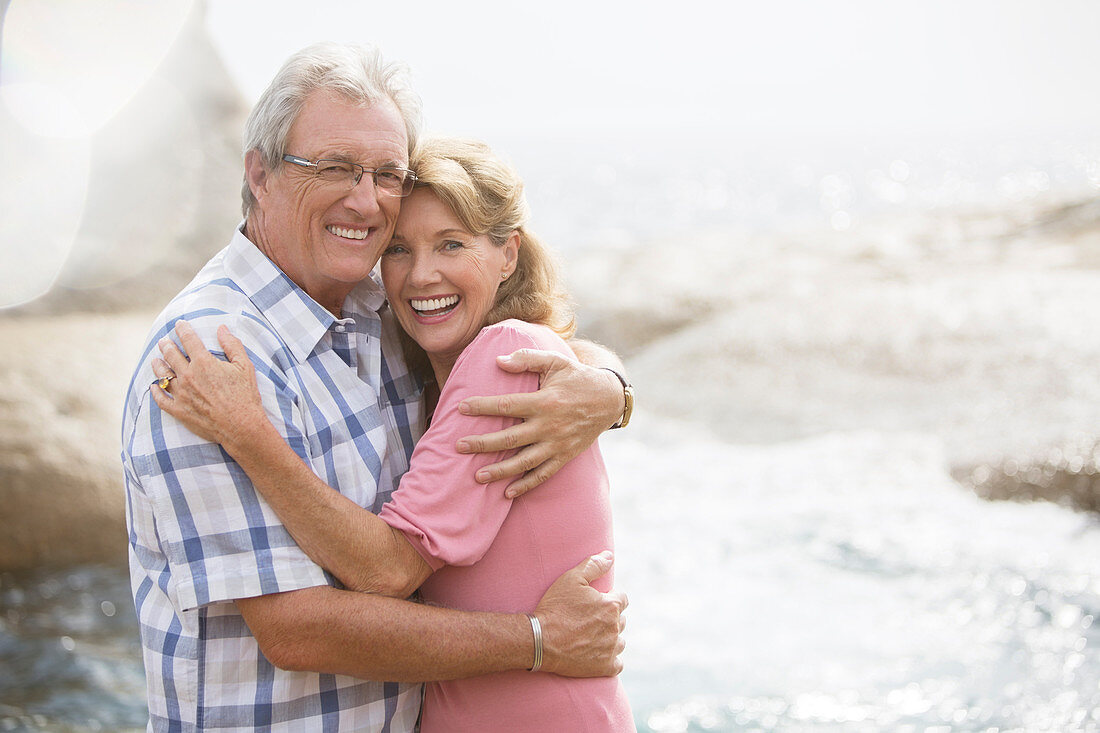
(753, 68)
(673, 81)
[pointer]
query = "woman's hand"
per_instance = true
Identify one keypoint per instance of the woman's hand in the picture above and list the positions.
(217, 400)
(572, 407)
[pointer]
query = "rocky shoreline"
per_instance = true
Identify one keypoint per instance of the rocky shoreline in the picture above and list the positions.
(62, 382)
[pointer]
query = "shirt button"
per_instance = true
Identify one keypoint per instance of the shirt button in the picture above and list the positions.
(339, 328)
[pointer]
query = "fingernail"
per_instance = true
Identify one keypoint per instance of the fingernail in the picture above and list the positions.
(505, 358)
(463, 408)
(484, 477)
(463, 447)
(510, 494)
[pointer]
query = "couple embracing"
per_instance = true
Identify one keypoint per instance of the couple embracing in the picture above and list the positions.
(367, 480)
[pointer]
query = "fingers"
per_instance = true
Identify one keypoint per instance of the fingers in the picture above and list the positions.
(530, 360)
(232, 346)
(161, 396)
(527, 459)
(506, 405)
(515, 436)
(161, 370)
(535, 477)
(171, 353)
(190, 340)
(596, 566)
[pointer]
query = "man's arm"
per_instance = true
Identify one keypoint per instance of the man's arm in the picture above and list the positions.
(324, 629)
(220, 402)
(373, 637)
(575, 403)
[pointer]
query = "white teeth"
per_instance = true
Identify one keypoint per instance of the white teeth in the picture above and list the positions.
(432, 304)
(349, 233)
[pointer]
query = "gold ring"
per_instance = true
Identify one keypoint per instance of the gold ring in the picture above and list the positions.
(163, 381)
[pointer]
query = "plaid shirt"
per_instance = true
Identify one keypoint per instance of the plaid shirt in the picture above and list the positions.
(200, 535)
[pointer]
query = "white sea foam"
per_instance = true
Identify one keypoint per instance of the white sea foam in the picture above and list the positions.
(845, 580)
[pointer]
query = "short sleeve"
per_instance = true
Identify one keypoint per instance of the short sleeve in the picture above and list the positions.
(447, 516)
(219, 538)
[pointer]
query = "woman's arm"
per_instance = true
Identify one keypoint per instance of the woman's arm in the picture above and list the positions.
(219, 401)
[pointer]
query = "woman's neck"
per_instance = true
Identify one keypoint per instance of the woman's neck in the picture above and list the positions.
(441, 367)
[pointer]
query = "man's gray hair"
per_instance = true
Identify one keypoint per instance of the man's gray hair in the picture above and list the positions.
(357, 73)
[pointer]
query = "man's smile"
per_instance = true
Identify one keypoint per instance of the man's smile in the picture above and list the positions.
(346, 233)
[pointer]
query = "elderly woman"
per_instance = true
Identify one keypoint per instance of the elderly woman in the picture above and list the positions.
(468, 283)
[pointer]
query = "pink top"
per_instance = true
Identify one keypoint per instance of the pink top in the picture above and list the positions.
(490, 553)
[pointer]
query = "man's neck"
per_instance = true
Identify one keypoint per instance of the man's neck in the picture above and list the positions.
(331, 301)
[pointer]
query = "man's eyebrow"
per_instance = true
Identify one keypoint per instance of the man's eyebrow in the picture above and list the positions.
(347, 156)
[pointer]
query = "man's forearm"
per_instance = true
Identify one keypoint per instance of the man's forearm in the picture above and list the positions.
(592, 354)
(347, 540)
(377, 638)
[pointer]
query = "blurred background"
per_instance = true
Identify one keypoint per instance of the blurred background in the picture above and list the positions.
(850, 253)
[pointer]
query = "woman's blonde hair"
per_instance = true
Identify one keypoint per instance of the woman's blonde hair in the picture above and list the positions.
(486, 195)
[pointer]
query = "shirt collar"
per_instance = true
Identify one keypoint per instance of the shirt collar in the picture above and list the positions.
(300, 321)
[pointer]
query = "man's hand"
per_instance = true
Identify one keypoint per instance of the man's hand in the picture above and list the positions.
(572, 407)
(581, 627)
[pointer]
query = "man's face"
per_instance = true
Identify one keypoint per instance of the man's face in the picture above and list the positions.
(325, 237)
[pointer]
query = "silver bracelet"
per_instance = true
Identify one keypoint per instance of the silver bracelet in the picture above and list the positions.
(536, 627)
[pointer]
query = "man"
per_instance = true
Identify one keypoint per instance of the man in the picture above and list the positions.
(240, 629)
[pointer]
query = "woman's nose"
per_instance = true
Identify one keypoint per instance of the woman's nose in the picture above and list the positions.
(424, 270)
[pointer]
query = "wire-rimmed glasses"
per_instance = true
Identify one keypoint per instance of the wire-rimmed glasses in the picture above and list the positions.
(388, 179)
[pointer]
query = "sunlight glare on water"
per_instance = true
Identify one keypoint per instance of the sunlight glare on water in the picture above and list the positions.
(847, 583)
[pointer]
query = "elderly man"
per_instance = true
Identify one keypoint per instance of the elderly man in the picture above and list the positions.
(239, 628)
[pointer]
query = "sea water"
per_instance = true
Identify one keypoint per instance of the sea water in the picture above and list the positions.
(798, 548)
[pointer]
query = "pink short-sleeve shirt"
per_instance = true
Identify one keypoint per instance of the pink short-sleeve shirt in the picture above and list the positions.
(490, 553)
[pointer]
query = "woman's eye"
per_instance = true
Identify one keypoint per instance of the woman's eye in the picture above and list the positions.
(451, 245)
(394, 249)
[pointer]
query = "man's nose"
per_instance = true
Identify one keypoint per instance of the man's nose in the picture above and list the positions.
(363, 196)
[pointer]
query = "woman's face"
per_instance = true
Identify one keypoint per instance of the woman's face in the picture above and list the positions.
(441, 279)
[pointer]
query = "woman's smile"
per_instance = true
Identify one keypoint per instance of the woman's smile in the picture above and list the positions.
(434, 309)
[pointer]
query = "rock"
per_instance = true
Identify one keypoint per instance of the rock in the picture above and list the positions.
(63, 380)
(1066, 474)
(163, 194)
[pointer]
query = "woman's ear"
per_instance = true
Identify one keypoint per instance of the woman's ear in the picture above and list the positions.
(256, 174)
(511, 252)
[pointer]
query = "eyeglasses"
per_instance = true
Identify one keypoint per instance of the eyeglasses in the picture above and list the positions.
(387, 179)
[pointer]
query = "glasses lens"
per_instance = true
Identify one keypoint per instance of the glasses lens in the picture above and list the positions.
(338, 172)
(390, 179)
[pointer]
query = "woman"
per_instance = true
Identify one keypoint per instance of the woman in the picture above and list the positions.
(467, 283)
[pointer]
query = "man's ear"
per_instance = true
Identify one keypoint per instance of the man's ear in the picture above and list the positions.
(256, 174)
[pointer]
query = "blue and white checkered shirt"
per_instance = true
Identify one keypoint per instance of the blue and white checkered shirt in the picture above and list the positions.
(200, 535)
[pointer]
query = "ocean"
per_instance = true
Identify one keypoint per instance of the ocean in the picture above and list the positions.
(836, 350)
